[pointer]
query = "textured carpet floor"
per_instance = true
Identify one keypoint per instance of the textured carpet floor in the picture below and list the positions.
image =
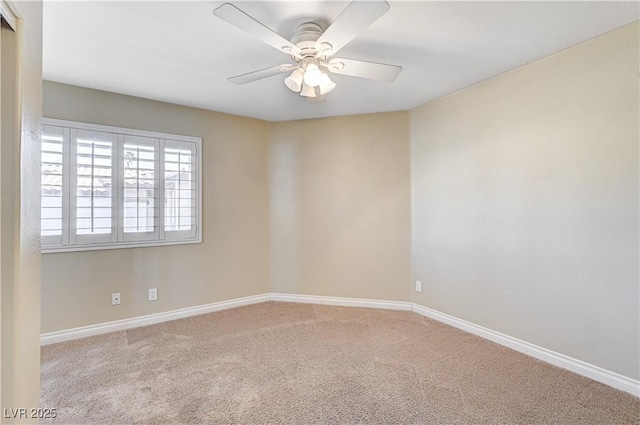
(284, 363)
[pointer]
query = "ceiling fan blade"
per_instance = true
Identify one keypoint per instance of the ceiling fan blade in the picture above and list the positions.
(363, 69)
(241, 20)
(352, 21)
(250, 77)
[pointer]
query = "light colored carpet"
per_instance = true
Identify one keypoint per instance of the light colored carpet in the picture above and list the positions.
(285, 363)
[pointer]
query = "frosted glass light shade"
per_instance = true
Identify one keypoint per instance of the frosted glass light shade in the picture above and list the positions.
(312, 75)
(294, 81)
(307, 91)
(326, 85)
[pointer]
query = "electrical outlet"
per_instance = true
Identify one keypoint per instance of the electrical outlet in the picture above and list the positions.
(153, 294)
(418, 286)
(115, 298)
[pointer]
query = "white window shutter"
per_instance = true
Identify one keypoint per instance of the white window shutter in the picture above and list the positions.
(180, 189)
(139, 198)
(108, 187)
(92, 182)
(54, 148)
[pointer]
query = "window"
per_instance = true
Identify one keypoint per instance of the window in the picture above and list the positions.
(105, 187)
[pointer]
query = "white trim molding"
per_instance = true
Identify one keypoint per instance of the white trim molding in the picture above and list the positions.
(588, 370)
(150, 319)
(346, 302)
(7, 14)
(596, 373)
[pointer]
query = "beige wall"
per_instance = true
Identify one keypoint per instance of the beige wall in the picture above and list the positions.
(20, 107)
(340, 207)
(525, 203)
(231, 262)
(353, 201)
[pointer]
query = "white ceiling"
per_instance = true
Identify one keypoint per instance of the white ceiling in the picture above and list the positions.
(179, 52)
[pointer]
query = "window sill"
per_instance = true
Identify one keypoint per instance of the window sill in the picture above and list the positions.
(105, 246)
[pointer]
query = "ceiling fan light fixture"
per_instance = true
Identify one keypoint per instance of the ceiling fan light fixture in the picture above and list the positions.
(312, 75)
(312, 48)
(326, 85)
(295, 80)
(307, 91)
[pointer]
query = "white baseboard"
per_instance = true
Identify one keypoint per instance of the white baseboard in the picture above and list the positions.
(346, 302)
(151, 319)
(596, 373)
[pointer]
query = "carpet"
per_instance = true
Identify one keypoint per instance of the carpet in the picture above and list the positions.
(288, 363)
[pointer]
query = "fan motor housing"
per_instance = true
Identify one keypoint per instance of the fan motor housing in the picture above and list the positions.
(305, 38)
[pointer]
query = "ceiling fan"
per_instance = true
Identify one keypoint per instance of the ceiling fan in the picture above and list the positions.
(312, 50)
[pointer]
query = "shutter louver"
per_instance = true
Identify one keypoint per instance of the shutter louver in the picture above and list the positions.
(140, 188)
(93, 186)
(51, 184)
(179, 188)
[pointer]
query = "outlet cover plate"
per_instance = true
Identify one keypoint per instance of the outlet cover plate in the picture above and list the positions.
(153, 294)
(115, 298)
(418, 286)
